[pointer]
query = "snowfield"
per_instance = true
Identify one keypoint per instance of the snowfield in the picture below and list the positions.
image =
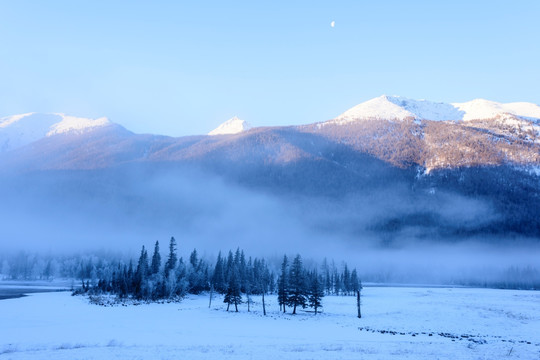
(399, 323)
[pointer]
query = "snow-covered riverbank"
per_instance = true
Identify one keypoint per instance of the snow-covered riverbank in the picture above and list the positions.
(400, 323)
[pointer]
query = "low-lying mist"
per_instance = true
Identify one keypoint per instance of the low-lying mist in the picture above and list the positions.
(390, 235)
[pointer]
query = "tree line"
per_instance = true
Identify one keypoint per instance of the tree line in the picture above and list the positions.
(235, 276)
(24, 265)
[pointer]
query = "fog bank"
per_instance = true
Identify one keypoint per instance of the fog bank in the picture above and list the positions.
(392, 235)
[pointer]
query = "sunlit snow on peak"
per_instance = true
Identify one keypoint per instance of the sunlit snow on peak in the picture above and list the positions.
(19, 130)
(78, 124)
(8, 120)
(231, 126)
(486, 109)
(400, 108)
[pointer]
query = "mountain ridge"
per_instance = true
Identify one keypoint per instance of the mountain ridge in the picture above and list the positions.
(380, 108)
(412, 178)
(400, 108)
(431, 144)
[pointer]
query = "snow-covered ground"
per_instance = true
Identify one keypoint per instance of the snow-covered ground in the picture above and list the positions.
(398, 323)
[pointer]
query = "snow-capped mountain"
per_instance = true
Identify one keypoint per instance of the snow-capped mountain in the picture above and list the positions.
(399, 108)
(422, 162)
(231, 126)
(475, 133)
(19, 130)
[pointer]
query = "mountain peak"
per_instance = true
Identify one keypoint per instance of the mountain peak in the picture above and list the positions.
(398, 108)
(22, 129)
(76, 124)
(231, 126)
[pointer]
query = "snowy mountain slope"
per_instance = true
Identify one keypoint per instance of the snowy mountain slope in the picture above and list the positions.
(19, 130)
(231, 126)
(400, 108)
(76, 124)
(102, 147)
(485, 109)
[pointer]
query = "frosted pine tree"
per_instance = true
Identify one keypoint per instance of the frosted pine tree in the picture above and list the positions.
(156, 260)
(233, 294)
(172, 259)
(283, 284)
(297, 285)
(316, 292)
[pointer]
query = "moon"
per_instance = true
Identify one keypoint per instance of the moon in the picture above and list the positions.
(333, 23)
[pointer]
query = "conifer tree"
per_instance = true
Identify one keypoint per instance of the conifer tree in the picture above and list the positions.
(237, 258)
(355, 282)
(242, 270)
(316, 292)
(261, 276)
(131, 277)
(249, 280)
(48, 272)
(172, 259)
(156, 260)
(327, 283)
(283, 284)
(218, 278)
(194, 259)
(233, 294)
(142, 265)
(123, 283)
(197, 274)
(335, 279)
(141, 275)
(297, 285)
(229, 267)
(181, 283)
(346, 280)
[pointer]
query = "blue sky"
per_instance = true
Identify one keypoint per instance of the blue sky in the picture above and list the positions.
(181, 68)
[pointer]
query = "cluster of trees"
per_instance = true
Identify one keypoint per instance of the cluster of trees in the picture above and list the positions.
(339, 282)
(299, 287)
(235, 276)
(150, 279)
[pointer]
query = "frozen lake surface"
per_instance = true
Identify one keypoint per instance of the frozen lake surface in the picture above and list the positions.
(17, 289)
(398, 322)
